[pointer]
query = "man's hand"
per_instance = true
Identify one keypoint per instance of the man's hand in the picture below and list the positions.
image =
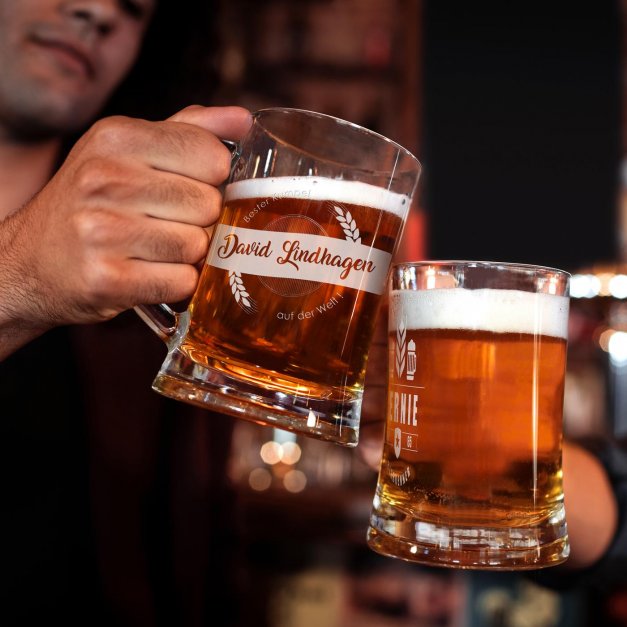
(121, 223)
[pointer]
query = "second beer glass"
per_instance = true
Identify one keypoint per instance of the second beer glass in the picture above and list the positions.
(471, 475)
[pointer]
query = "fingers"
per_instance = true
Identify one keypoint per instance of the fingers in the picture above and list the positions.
(161, 282)
(166, 170)
(106, 234)
(116, 286)
(177, 148)
(221, 122)
(128, 212)
(187, 144)
(224, 122)
(186, 201)
(197, 153)
(129, 188)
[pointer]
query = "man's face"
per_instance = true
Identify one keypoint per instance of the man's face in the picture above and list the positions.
(60, 60)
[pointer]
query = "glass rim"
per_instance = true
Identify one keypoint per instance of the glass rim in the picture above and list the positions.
(469, 263)
(362, 129)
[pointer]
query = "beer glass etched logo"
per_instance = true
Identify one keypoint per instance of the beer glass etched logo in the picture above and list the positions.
(399, 351)
(404, 395)
(349, 226)
(241, 296)
(397, 442)
(405, 354)
(292, 254)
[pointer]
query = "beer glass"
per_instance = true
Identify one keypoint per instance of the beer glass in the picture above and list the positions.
(279, 327)
(471, 474)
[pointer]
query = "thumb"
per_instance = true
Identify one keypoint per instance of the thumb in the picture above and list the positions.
(224, 122)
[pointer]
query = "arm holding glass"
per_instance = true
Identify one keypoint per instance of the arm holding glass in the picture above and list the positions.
(122, 222)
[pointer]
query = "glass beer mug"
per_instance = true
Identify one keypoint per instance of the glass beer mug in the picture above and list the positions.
(471, 475)
(279, 328)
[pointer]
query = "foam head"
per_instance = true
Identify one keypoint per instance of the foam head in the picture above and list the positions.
(320, 188)
(497, 310)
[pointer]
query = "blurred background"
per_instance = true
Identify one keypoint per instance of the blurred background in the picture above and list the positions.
(518, 114)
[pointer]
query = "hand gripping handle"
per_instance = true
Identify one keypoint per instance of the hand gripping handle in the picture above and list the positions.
(162, 319)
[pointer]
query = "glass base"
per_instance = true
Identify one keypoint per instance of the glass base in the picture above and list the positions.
(396, 533)
(185, 380)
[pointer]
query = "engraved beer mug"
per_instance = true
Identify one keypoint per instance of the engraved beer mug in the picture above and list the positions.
(471, 475)
(279, 327)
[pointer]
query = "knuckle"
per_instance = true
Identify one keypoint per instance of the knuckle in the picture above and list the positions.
(101, 283)
(95, 226)
(111, 131)
(182, 194)
(170, 249)
(195, 196)
(94, 175)
(206, 203)
(184, 114)
(193, 108)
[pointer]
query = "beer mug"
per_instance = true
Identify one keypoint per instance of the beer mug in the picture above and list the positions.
(471, 474)
(279, 327)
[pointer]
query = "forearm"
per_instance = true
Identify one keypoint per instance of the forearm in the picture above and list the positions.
(16, 326)
(14, 335)
(591, 508)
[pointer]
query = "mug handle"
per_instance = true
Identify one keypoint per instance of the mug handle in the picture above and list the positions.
(162, 319)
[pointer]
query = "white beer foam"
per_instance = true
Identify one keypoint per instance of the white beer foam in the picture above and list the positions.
(501, 311)
(319, 188)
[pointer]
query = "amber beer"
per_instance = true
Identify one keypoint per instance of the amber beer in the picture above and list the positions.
(472, 452)
(280, 324)
(292, 283)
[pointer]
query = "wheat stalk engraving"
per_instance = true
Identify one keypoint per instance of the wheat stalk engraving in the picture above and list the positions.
(349, 226)
(400, 349)
(399, 478)
(241, 295)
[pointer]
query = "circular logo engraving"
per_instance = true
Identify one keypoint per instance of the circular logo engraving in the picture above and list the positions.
(294, 224)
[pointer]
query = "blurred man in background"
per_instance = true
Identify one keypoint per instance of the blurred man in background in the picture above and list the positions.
(115, 498)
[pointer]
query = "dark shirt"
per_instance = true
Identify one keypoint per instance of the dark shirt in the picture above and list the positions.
(116, 498)
(612, 568)
(610, 572)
